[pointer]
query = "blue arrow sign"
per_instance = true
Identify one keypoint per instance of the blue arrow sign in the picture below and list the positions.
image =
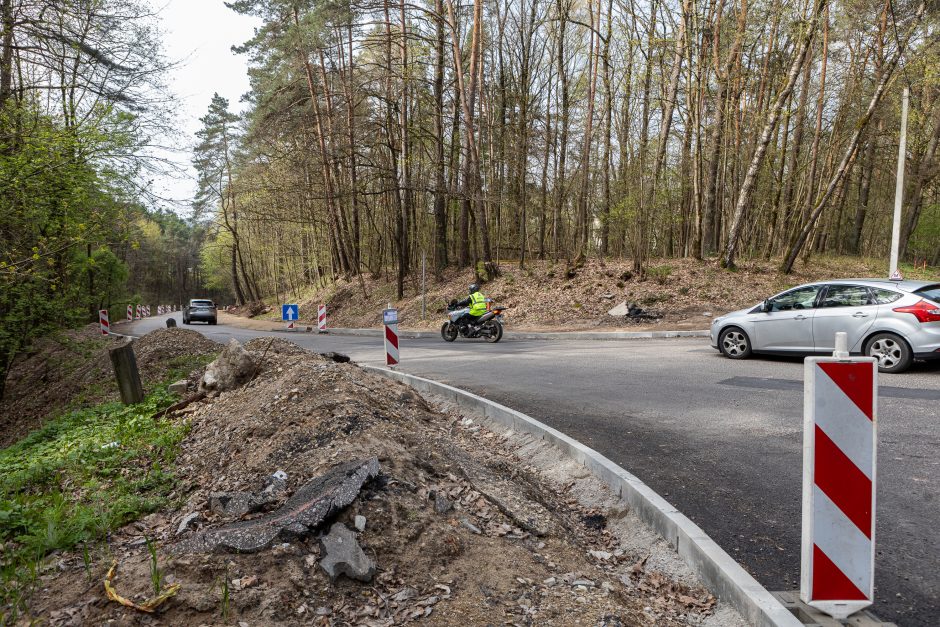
(289, 312)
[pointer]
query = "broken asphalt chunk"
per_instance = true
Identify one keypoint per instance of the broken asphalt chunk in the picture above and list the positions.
(304, 512)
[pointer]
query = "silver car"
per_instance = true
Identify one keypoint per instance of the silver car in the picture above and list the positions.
(893, 321)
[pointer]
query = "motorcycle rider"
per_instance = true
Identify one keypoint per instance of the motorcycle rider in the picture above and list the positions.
(477, 303)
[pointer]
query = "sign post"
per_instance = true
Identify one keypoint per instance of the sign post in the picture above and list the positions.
(290, 314)
(321, 318)
(103, 321)
(390, 321)
(840, 433)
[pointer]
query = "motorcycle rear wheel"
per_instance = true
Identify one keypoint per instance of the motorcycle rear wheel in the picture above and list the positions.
(492, 331)
(449, 332)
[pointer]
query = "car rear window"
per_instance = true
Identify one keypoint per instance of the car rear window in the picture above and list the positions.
(883, 296)
(931, 291)
(202, 303)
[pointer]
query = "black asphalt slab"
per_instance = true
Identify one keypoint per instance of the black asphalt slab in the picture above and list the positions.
(720, 439)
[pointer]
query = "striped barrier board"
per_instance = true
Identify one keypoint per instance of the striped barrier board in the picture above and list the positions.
(840, 434)
(130, 313)
(321, 318)
(139, 314)
(103, 321)
(390, 320)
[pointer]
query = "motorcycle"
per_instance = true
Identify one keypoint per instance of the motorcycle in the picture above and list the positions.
(489, 326)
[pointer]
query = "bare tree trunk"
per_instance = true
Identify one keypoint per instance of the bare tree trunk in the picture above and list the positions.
(472, 183)
(6, 52)
(926, 172)
(563, 7)
(593, 57)
(744, 198)
(608, 123)
(644, 209)
(853, 144)
(868, 160)
(440, 184)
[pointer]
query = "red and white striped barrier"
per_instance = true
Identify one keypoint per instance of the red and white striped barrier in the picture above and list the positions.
(147, 311)
(103, 321)
(139, 314)
(321, 318)
(840, 434)
(130, 313)
(390, 320)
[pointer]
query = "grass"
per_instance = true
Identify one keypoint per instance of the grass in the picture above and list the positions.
(77, 478)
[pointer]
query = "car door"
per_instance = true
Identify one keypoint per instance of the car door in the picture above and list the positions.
(844, 307)
(787, 324)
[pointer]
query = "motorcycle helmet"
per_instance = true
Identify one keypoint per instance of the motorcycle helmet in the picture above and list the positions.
(474, 288)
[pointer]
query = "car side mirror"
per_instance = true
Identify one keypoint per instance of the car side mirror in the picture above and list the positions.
(768, 306)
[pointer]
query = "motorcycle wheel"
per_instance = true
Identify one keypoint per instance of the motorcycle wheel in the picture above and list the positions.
(449, 332)
(492, 331)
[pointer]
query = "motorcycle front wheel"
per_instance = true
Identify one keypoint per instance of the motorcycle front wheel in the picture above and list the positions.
(492, 331)
(449, 332)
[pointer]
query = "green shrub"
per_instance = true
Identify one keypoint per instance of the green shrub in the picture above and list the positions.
(77, 478)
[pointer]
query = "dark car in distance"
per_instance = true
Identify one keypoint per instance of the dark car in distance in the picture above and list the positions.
(200, 310)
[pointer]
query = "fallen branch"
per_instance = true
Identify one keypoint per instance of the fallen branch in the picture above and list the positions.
(149, 606)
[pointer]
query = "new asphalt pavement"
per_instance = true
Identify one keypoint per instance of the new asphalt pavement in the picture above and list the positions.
(719, 439)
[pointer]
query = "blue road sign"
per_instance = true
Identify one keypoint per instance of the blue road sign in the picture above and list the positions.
(390, 316)
(289, 312)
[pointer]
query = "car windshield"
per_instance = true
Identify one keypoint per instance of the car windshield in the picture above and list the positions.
(931, 291)
(202, 303)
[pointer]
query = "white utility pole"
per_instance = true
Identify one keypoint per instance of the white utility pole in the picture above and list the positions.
(899, 190)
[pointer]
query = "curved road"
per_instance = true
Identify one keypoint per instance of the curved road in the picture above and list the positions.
(719, 439)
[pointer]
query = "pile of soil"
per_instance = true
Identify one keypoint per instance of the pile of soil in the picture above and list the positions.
(72, 369)
(683, 293)
(441, 521)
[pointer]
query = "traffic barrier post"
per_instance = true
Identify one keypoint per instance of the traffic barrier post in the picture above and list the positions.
(840, 434)
(103, 321)
(139, 314)
(390, 321)
(130, 313)
(321, 318)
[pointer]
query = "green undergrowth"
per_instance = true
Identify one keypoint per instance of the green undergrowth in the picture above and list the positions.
(74, 480)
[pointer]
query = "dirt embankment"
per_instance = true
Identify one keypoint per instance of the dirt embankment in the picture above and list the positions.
(464, 525)
(682, 293)
(72, 370)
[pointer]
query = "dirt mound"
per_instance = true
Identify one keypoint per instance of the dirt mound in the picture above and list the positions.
(158, 351)
(72, 370)
(546, 295)
(461, 530)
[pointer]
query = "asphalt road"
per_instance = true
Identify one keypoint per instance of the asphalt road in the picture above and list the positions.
(719, 439)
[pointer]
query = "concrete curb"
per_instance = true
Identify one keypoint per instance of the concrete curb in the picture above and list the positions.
(720, 573)
(524, 335)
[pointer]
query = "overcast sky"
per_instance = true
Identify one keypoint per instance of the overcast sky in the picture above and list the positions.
(199, 34)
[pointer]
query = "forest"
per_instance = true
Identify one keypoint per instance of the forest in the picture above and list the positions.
(81, 103)
(383, 135)
(380, 137)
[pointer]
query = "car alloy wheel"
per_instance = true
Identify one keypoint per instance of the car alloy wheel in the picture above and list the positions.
(892, 352)
(734, 343)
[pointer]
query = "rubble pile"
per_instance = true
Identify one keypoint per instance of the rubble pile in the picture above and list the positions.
(318, 494)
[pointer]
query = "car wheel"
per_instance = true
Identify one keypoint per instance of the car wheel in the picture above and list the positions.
(449, 332)
(891, 351)
(734, 343)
